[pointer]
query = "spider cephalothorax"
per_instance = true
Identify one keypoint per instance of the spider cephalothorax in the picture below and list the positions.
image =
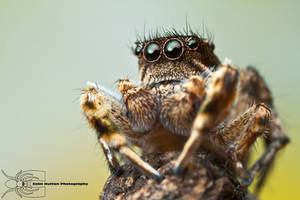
(174, 58)
(186, 100)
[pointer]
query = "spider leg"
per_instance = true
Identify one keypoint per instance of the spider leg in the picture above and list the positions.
(107, 116)
(27, 190)
(118, 142)
(12, 177)
(27, 176)
(241, 133)
(10, 190)
(254, 89)
(141, 106)
(276, 140)
(179, 109)
(113, 164)
(19, 191)
(219, 97)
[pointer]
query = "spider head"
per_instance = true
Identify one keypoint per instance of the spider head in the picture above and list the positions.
(174, 58)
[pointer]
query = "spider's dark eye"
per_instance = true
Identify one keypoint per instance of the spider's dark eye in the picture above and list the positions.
(138, 49)
(173, 49)
(152, 52)
(192, 44)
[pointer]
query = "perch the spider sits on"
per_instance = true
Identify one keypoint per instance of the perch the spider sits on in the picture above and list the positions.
(186, 100)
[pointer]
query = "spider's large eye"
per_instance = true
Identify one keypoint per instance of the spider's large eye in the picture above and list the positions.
(173, 49)
(152, 52)
(192, 43)
(138, 49)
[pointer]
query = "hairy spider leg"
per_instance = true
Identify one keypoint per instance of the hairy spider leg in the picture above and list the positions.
(237, 137)
(141, 106)
(113, 164)
(105, 113)
(220, 96)
(253, 89)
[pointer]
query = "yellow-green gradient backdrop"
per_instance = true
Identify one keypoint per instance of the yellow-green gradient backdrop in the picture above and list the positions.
(50, 48)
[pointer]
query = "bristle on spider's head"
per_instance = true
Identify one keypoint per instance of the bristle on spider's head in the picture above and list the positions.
(173, 33)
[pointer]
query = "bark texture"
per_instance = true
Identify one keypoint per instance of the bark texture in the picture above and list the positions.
(208, 177)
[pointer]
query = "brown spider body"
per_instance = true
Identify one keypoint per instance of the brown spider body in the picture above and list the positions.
(186, 100)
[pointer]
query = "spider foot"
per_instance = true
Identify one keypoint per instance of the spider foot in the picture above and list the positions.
(245, 182)
(177, 170)
(158, 178)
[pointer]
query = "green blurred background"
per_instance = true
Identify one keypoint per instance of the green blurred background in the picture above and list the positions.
(50, 48)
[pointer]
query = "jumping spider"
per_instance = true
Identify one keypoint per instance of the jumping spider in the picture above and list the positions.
(186, 100)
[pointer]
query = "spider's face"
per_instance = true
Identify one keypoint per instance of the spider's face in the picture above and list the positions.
(174, 58)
